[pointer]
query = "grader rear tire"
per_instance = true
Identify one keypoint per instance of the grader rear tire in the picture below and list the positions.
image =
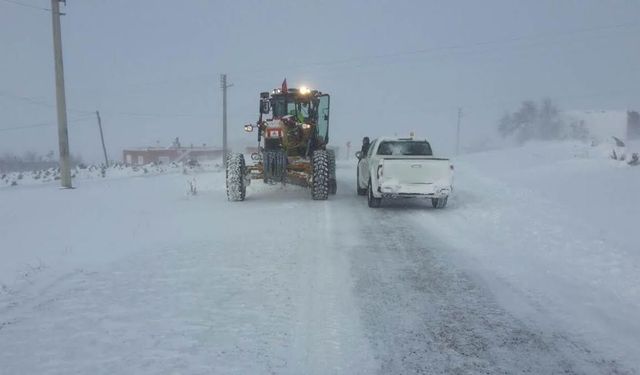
(333, 184)
(320, 178)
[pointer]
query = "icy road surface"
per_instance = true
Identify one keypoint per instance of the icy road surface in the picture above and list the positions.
(131, 276)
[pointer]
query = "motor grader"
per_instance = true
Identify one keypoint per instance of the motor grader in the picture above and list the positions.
(293, 133)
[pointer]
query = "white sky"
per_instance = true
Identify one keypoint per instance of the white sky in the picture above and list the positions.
(152, 67)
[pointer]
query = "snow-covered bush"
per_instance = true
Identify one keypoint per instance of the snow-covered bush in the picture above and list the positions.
(543, 121)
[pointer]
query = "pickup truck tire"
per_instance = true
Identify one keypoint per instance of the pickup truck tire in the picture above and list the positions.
(320, 170)
(235, 174)
(372, 201)
(359, 190)
(439, 202)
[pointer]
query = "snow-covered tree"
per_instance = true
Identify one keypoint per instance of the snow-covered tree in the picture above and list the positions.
(534, 121)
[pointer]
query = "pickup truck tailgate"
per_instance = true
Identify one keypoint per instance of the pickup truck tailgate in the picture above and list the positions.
(416, 170)
(415, 176)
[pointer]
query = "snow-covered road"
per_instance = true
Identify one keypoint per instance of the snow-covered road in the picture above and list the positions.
(148, 280)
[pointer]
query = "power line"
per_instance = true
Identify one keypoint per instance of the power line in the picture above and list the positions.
(38, 125)
(43, 103)
(137, 114)
(43, 124)
(39, 102)
(361, 60)
(478, 44)
(366, 58)
(87, 116)
(27, 5)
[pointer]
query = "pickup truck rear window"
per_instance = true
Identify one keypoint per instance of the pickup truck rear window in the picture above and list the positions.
(405, 148)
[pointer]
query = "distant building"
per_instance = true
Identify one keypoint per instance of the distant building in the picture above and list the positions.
(162, 155)
(602, 125)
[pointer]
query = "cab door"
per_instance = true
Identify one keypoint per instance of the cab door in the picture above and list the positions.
(363, 166)
(322, 128)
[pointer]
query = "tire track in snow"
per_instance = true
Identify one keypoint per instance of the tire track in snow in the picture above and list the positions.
(424, 315)
(328, 336)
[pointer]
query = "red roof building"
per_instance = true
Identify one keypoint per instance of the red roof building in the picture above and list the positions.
(161, 155)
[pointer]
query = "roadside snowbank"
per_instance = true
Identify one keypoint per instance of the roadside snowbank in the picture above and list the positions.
(45, 231)
(551, 227)
(91, 172)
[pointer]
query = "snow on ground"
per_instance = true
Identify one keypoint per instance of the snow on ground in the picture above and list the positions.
(136, 276)
(555, 224)
(13, 179)
(44, 227)
(531, 269)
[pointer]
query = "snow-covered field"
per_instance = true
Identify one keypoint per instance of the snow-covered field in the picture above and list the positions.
(534, 267)
(39, 177)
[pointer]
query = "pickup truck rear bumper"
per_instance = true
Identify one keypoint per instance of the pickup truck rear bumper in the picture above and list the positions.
(423, 190)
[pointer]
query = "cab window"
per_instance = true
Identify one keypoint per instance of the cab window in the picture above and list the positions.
(405, 148)
(372, 147)
(323, 118)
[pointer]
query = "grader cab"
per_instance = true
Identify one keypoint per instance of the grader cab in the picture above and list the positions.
(293, 133)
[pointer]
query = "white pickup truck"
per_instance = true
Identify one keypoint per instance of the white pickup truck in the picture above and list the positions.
(403, 168)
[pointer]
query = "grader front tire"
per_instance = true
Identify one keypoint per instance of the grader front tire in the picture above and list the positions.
(235, 173)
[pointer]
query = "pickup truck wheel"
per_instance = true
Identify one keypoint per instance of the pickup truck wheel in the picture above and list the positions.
(439, 202)
(359, 190)
(371, 200)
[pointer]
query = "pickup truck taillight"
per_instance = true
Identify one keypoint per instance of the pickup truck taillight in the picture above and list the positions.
(451, 166)
(380, 170)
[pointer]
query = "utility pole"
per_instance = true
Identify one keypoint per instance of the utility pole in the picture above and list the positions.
(458, 131)
(104, 149)
(224, 86)
(63, 134)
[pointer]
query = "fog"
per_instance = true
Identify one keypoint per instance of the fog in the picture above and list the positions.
(392, 67)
